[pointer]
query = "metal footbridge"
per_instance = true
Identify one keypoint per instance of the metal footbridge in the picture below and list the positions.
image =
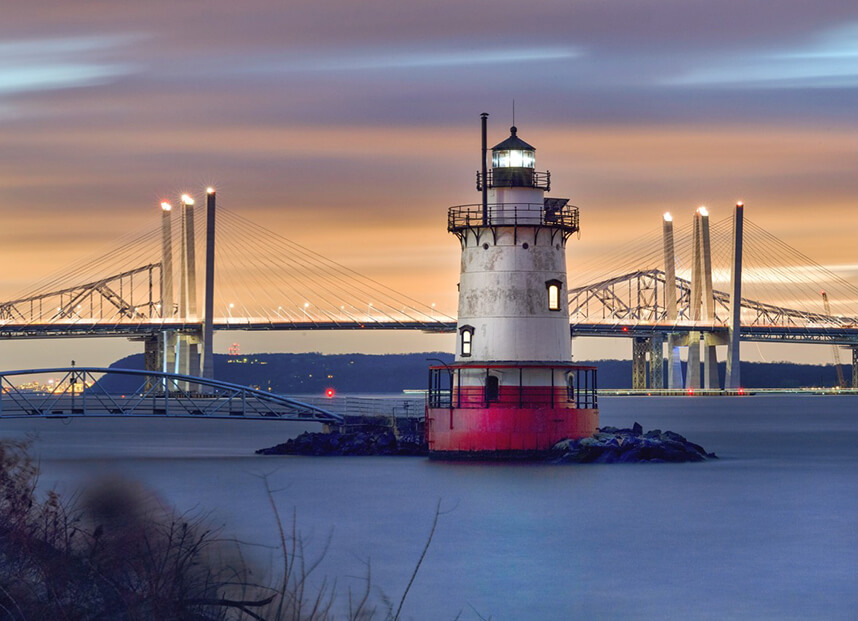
(89, 392)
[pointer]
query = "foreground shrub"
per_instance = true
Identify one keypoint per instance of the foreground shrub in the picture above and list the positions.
(117, 554)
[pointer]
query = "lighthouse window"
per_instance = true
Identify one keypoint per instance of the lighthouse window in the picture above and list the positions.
(467, 340)
(553, 294)
(514, 158)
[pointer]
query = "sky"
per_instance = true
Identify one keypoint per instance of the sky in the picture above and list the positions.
(351, 127)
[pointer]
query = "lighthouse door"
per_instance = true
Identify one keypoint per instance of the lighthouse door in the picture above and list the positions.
(492, 388)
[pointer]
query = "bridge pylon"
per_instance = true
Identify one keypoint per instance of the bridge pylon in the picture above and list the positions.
(674, 364)
(189, 353)
(733, 380)
(702, 307)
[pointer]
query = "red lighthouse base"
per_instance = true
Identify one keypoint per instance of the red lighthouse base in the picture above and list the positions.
(480, 418)
(504, 432)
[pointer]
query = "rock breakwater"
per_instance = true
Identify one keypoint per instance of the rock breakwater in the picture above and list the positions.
(611, 445)
(336, 443)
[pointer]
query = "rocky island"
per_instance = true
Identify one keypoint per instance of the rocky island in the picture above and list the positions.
(608, 445)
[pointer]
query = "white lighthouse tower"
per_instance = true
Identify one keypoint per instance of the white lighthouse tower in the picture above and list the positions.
(512, 390)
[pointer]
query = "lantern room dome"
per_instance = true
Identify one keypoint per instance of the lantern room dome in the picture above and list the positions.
(513, 142)
(513, 152)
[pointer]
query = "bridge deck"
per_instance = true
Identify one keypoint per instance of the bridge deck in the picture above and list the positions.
(795, 334)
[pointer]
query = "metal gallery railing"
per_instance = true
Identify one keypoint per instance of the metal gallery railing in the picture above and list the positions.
(509, 386)
(563, 217)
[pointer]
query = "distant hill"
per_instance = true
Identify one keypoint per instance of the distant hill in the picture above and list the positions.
(364, 373)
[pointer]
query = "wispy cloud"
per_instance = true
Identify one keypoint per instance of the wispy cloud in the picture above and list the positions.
(47, 64)
(830, 61)
(395, 59)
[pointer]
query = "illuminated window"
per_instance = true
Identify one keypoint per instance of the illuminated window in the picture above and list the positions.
(553, 287)
(467, 340)
(514, 158)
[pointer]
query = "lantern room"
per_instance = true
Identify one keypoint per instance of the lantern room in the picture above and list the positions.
(513, 152)
(513, 166)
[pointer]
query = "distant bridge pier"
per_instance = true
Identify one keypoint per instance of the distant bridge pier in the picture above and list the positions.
(648, 349)
(640, 347)
(692, 368)
(710, 363)
(656, 361)
(152, 353)
(674, 362)
(854, 349)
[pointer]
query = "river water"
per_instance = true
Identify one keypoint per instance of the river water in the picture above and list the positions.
(769, 531)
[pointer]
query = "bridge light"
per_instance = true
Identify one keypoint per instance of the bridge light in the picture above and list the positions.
(329, 393)
(187, 200)
(210, 190)
(165, 206)
(703, 211)
(668, 217)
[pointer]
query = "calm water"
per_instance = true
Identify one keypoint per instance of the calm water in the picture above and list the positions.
(767, 532)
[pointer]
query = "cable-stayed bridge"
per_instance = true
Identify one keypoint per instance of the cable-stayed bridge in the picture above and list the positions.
(255, 279)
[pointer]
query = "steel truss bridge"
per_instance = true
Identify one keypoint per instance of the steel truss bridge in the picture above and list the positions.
(623, 306)
(634, 305)
(91, 392)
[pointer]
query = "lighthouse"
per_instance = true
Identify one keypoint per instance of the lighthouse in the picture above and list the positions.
(512, 391)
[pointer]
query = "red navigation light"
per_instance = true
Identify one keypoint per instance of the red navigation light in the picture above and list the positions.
(690, 391)
(625, 329)
(329, 393)
(741, 391)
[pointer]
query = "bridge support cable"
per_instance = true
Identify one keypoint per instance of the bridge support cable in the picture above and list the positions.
(86, 392)
(303, 286)
(784, 276)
